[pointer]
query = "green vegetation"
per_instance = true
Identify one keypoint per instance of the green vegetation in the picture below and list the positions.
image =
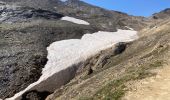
(113, 90)
(156, 64)
(117, 88)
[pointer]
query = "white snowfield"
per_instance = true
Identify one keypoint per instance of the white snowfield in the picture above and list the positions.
(65, 56)
(74, 20)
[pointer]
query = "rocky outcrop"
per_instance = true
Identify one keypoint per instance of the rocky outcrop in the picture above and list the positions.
(13, 13)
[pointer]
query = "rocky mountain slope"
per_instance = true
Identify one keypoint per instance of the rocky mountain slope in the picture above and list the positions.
(25, 33)
(23, 51)
(119, 73)
(104, 19)
(162, 15)
(28, 27)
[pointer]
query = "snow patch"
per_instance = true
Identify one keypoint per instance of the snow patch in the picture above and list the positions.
(64, 57)
(74, 20)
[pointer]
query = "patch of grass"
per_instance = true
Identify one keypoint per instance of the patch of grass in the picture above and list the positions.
(7, 26)
(143, 74)
(157, 52)
(94, 16)
(113, 90)
(116, 95)
(156, 64)
(116, 89)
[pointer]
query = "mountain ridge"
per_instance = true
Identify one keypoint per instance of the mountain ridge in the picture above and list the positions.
(162, 14)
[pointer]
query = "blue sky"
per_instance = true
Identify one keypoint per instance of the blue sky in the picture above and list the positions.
(133, 7)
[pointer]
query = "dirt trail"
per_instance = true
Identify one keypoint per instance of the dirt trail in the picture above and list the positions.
(153, 88)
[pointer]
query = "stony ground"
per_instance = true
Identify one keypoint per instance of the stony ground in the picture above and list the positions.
(153, 88)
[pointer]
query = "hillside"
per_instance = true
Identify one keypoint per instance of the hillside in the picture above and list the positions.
(29, 27)
(119, 73)
(23, 42)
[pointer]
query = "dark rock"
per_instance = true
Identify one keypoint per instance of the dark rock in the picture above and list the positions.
(120, 47)
(90, 71)
(35, 95)
(22, 14)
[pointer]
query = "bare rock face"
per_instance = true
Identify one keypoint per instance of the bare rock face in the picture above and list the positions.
(13, 13)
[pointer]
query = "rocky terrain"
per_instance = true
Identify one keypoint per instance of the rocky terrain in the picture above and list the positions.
(25, 34)
(118, 73)
(99, 17)
(23, 51)
(28, 27)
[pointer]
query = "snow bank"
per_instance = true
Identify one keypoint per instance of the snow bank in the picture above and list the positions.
(64, 57)
(74, 20)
